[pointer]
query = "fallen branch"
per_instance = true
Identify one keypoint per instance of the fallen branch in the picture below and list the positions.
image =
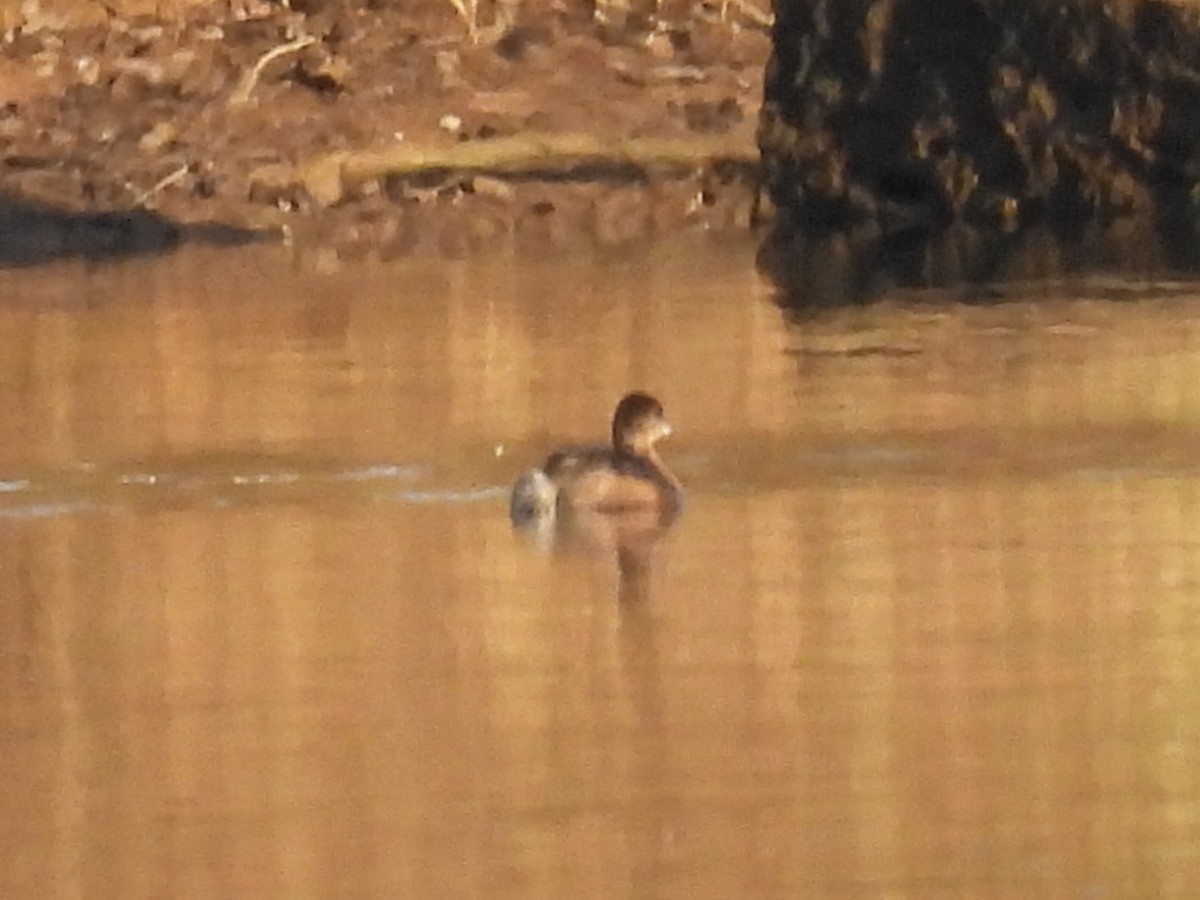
(326, 177)
(161, 185)
(245, 88)
(758, 16)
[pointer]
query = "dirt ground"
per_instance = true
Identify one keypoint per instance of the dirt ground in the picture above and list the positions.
(222, 113)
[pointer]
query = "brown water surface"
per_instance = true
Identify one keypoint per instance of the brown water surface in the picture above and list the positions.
(928, 627)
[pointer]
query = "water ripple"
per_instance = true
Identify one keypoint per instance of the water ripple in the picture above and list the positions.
(378, 473)
(474, 495)
(46, 510)
(87, 487)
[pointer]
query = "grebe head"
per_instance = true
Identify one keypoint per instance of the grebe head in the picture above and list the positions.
(638, 424)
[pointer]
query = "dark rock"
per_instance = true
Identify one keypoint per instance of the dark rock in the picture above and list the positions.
(914, 114)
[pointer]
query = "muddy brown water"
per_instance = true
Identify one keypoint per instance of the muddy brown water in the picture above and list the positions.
(928, 627)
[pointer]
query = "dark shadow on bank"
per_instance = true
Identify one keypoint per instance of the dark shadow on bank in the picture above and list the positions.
(33, 233)
(815, 270)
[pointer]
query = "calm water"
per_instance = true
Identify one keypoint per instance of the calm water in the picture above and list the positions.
(929, 627)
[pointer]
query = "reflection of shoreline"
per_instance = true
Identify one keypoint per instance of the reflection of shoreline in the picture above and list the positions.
(817, 271)
(33, 233)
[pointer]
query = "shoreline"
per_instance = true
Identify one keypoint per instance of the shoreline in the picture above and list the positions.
(308, 123)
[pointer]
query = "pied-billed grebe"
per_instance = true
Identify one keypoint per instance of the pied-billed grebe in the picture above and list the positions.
(628, 476)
